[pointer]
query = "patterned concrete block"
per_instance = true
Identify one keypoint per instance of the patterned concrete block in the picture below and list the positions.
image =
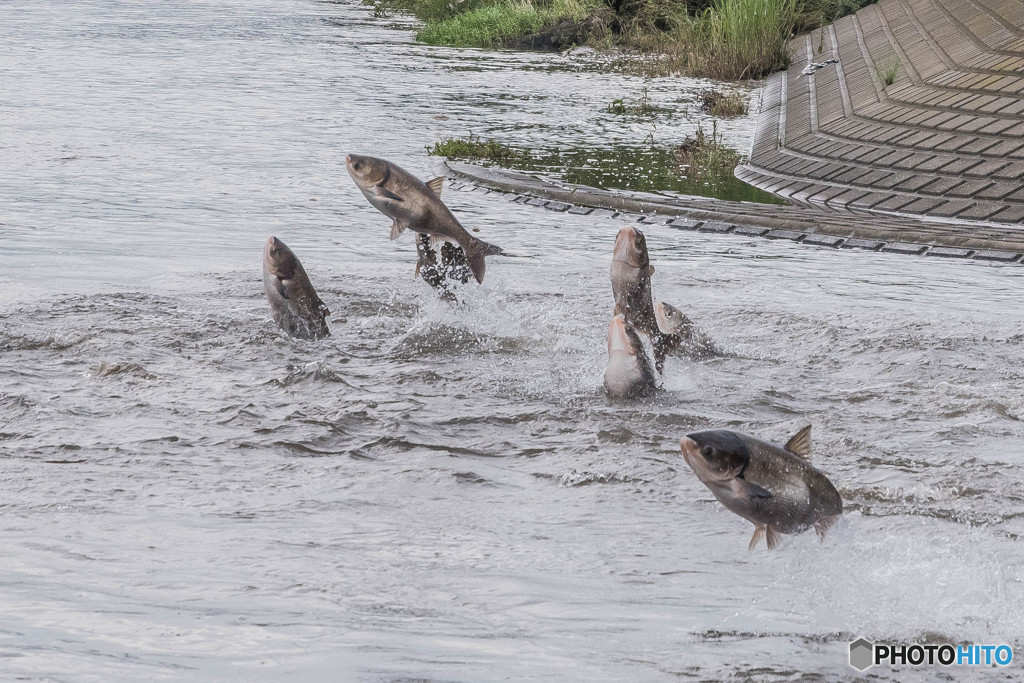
(784, 235)
(716, 226)
(904, 248)
(949, 252)
(823, 240)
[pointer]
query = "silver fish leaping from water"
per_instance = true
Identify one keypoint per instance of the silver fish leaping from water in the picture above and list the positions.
(774, 487)
(415, 205)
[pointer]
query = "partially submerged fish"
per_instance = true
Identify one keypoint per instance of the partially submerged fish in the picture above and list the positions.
(415, 205)
(775, 487)
(294, 303)
(629, 373)
(631, 286)
(680, 335)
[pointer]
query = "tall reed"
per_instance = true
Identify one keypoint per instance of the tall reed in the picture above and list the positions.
(736, 39)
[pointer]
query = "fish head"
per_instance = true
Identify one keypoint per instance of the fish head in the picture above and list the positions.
(631, 248)
(278, 259)
(367, 172)
(670, 319)
(622, 338)
(629, 372)
(715, 456)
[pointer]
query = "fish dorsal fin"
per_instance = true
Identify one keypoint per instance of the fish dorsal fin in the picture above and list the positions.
(396, 229)
(437, 240)
(436, 184)
(650, 270)
(800, 444)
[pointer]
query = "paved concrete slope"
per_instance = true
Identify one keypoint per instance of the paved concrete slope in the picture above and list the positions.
(995, 243)
(945, 139)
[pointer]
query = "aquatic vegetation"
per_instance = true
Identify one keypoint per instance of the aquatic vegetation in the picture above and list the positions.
(703, 155)
(724, 104)
(643, 106)
(476, 148)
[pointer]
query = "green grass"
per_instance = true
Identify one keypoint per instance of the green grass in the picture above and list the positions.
(888, 71)
(723, 39)
(476, 148)
(491, 25)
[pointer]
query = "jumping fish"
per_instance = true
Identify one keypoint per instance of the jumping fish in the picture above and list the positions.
(629, 373)
(774, 487)
(631, 285)
(415, 205)
(294, 303)
(680, 335)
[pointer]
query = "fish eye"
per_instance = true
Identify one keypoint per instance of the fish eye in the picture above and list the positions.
(639, 241)
(707, 451)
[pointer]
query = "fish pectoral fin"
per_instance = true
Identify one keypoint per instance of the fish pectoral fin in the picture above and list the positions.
(744, 489)
(773, 536)
(417, 274)
(436, 184)
(382, 191)
(756, 538)
(800, 444)
(397, 228)
(824, 524)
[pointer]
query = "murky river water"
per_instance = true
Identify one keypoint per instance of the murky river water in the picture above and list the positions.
(441, 492)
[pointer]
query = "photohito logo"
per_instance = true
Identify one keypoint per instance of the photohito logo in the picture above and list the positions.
(864, 654)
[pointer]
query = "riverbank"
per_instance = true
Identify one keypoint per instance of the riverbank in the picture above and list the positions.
(721, 39)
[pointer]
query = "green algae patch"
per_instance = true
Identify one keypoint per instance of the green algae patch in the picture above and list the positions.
(701, 166)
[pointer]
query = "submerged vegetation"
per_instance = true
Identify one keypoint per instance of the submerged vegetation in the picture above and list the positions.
(724, 104)
(701, 166)
(724, 39)
(702, 155)
(475, 148)
(642, 107)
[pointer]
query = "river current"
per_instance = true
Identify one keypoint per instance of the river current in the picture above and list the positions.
(443, 492)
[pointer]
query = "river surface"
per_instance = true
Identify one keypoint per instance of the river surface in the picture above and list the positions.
(442, 492)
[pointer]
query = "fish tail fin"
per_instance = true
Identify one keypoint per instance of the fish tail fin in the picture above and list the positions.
(756, 538)
(475, 253)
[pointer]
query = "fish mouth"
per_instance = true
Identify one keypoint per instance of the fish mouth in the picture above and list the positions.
(697, 463)
(618, 338)
(624, 250)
